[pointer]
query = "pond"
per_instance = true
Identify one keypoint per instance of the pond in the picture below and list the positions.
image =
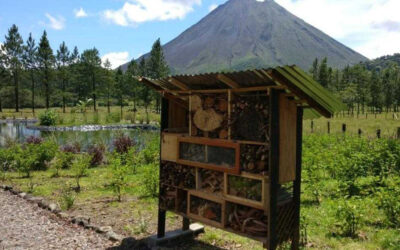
(84, 135)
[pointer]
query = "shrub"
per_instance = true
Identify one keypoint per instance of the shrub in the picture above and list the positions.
(67, 199)
(150, 180)
(79, 168)
(72, 148)
(56, 165)
(96, 153)
(348, 219)
(113, 117)
(119, 176)
(34, 140)
(48, 118)
(43, 154)
(122, 144)
(151, 153)
(390, 204)
(96, 118)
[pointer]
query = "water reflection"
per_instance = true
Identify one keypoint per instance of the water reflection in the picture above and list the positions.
(19, 131)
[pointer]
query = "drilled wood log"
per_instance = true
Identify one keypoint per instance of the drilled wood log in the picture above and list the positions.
(196, 103)
(207, 120)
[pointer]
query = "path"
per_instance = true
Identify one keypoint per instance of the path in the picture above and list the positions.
(24, 225)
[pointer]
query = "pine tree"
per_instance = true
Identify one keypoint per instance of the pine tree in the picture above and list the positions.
(376, 91)
(132, 73)
(314, 69)
(46, 65)
(157, 67)
(91, 67)
(108, 79)
(63, 61)
(323, 76)
(120, 87)
(145, 91)
(11, 59)
(31, 64)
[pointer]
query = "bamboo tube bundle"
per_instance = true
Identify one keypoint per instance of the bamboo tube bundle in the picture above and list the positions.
(250, 117)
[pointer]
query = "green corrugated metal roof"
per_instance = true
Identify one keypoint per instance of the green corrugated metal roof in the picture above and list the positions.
(296, 80)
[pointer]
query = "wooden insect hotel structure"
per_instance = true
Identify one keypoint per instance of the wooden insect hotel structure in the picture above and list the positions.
(231, 149)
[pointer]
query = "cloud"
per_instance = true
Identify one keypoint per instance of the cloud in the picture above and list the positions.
(57, 23)
(116, 58)
(80, 13)
(212, 7)
(134, 12)
(369, 27)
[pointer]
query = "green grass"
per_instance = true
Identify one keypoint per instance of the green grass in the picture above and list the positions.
(328, 160)
(367, 123)
(101, 117)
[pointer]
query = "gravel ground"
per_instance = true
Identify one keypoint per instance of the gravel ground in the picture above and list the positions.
(24, 225)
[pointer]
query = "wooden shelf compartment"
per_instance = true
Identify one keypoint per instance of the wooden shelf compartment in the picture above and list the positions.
(177, 175)
(209, 209)
(247, 189)
(214, 154)
(246, 221)
(210, 181)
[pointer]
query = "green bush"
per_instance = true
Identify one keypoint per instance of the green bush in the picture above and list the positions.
(48, 118)
(119, 177)
(389, 202)
(79, 168)
(150, 179)
(348, 219)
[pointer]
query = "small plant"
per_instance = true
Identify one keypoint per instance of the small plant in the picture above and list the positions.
(79, 167)
(57, 164)
(119, 177)
(96, 153)
(122, 144)
(96, 118)
(34, 140)
(48, 118)
(31, 184)
(348, 219)
(82, 105)
(113, 117)
(390, 204)
(150, 180)
(67, 198)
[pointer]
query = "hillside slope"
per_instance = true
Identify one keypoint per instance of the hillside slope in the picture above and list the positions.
(242, 34)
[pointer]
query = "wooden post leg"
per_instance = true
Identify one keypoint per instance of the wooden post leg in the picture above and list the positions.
(185, 224)
(297, 181)
(161, 223)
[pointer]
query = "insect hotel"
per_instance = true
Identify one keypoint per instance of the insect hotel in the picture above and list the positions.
(231, 149)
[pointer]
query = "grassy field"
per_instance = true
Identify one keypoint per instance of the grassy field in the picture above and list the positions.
(350, 191)
(90, 117)
(388, 123)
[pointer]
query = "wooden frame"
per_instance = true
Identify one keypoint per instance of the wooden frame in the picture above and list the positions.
(262, 205)
(211, 142)
(207, 197)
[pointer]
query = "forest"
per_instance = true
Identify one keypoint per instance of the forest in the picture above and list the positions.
(33, 75)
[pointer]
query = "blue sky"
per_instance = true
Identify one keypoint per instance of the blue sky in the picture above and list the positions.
(122, 29)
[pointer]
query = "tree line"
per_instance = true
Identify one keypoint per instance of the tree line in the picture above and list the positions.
(33, 75)
(362, 87)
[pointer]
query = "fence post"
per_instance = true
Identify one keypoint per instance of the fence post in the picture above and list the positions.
(344, 128)
(378, 133)
(398, 133)
(329, 127)
(359, 132)
(312, 126)
(366, 115)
